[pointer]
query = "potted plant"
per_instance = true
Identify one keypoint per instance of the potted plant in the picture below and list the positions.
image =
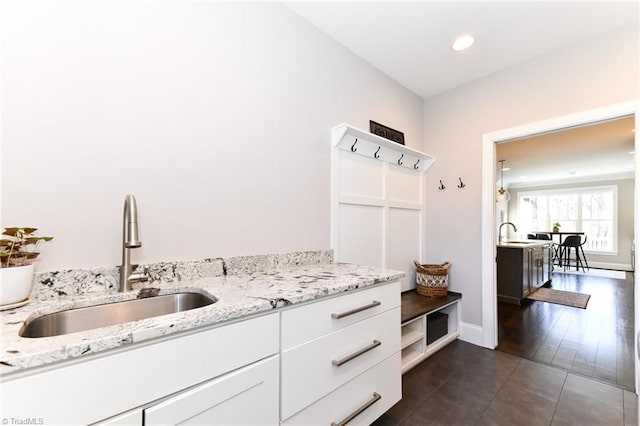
(17, 253)
(556, 227)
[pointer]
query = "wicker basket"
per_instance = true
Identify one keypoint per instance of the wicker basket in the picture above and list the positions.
(432, 280)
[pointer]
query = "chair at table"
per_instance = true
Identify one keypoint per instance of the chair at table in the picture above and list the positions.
(554, 247)
(574, 242)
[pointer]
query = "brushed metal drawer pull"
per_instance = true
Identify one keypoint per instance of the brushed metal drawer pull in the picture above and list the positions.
(376, 398)
(339, 362)
(356, 310)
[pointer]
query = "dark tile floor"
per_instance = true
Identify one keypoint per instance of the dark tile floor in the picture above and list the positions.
(464, 384)
(595, 342)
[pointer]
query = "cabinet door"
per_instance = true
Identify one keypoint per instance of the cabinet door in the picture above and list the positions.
(526, 272)
(248, 396)
(547, 264)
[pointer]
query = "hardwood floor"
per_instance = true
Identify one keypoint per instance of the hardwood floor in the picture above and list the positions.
(594, 342)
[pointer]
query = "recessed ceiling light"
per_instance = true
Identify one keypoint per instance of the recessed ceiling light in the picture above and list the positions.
(632, 152)
(463, 42)
(506, 169)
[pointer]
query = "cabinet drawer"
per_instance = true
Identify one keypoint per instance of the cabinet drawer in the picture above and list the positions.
(384, 380)
(312, 370)
(248, 396)
(305, 323)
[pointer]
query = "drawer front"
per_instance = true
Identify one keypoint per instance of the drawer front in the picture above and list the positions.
(311, 371)
(305, 323)
(359, 395)
(248, 396)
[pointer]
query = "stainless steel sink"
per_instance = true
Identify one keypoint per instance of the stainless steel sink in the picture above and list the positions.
(90, 317)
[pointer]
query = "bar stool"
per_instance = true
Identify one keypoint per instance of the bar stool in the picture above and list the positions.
(554, 247)
(573, 241)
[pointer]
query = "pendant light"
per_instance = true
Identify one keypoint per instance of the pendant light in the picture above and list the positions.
(502, 195)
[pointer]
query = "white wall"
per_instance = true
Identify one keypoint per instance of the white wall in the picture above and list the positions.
(599, 72)
(217, 116)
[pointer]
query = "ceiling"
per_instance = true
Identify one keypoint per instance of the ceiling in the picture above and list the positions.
(410, 41)
(595, 152)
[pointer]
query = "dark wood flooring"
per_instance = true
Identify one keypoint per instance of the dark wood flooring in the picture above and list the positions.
(594, 342)
(464, 384)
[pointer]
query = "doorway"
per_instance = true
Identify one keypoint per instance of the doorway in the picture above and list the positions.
(582, 177)
(489, 294)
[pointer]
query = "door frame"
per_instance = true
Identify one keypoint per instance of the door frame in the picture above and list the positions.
(489, 141)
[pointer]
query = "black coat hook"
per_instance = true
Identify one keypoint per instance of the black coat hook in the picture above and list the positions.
(441, 187)
(353, 147)
(415, 166)
(400, 160)
(461, 185)
(375, 154)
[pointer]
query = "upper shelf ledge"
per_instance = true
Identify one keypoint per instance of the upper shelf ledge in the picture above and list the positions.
(358, 141)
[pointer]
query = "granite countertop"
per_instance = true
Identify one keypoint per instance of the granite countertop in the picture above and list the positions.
(239, 296)
(523, 243)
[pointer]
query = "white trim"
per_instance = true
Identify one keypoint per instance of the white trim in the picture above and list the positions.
(471, 333)
(614, 266)
(636, 223)
(489, 140)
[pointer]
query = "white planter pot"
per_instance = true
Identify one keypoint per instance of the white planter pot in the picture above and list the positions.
(15, 284)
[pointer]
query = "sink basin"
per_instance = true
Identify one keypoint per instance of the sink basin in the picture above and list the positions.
(90, 317)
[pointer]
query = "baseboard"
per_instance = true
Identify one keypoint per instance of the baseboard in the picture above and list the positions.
(614, 266)
(471, 333)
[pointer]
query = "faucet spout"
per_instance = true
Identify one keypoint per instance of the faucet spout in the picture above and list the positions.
(130, 229)
(130, 240)
(500, 229)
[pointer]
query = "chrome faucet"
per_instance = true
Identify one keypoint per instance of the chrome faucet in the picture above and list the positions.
(130, 241)
(500, 229)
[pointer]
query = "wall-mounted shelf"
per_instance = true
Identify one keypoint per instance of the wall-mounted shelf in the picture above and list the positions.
(358, 141)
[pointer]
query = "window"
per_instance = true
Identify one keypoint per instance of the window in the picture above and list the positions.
(589, 210)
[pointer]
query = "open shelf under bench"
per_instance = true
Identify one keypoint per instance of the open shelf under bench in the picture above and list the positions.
(414, 311)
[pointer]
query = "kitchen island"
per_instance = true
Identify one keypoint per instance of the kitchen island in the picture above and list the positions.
(522, 267)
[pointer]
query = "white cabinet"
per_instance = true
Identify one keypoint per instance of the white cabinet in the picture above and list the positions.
(100, 387)
(350, 352)
(334, 359)
(248, 396)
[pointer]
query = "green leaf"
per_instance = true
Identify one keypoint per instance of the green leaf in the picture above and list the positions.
(34, 240)
(11, 231)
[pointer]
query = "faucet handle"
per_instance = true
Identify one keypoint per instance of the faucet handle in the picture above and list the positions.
(140, 276)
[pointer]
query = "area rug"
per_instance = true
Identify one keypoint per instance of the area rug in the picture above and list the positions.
(605, 273)
(560, 297)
